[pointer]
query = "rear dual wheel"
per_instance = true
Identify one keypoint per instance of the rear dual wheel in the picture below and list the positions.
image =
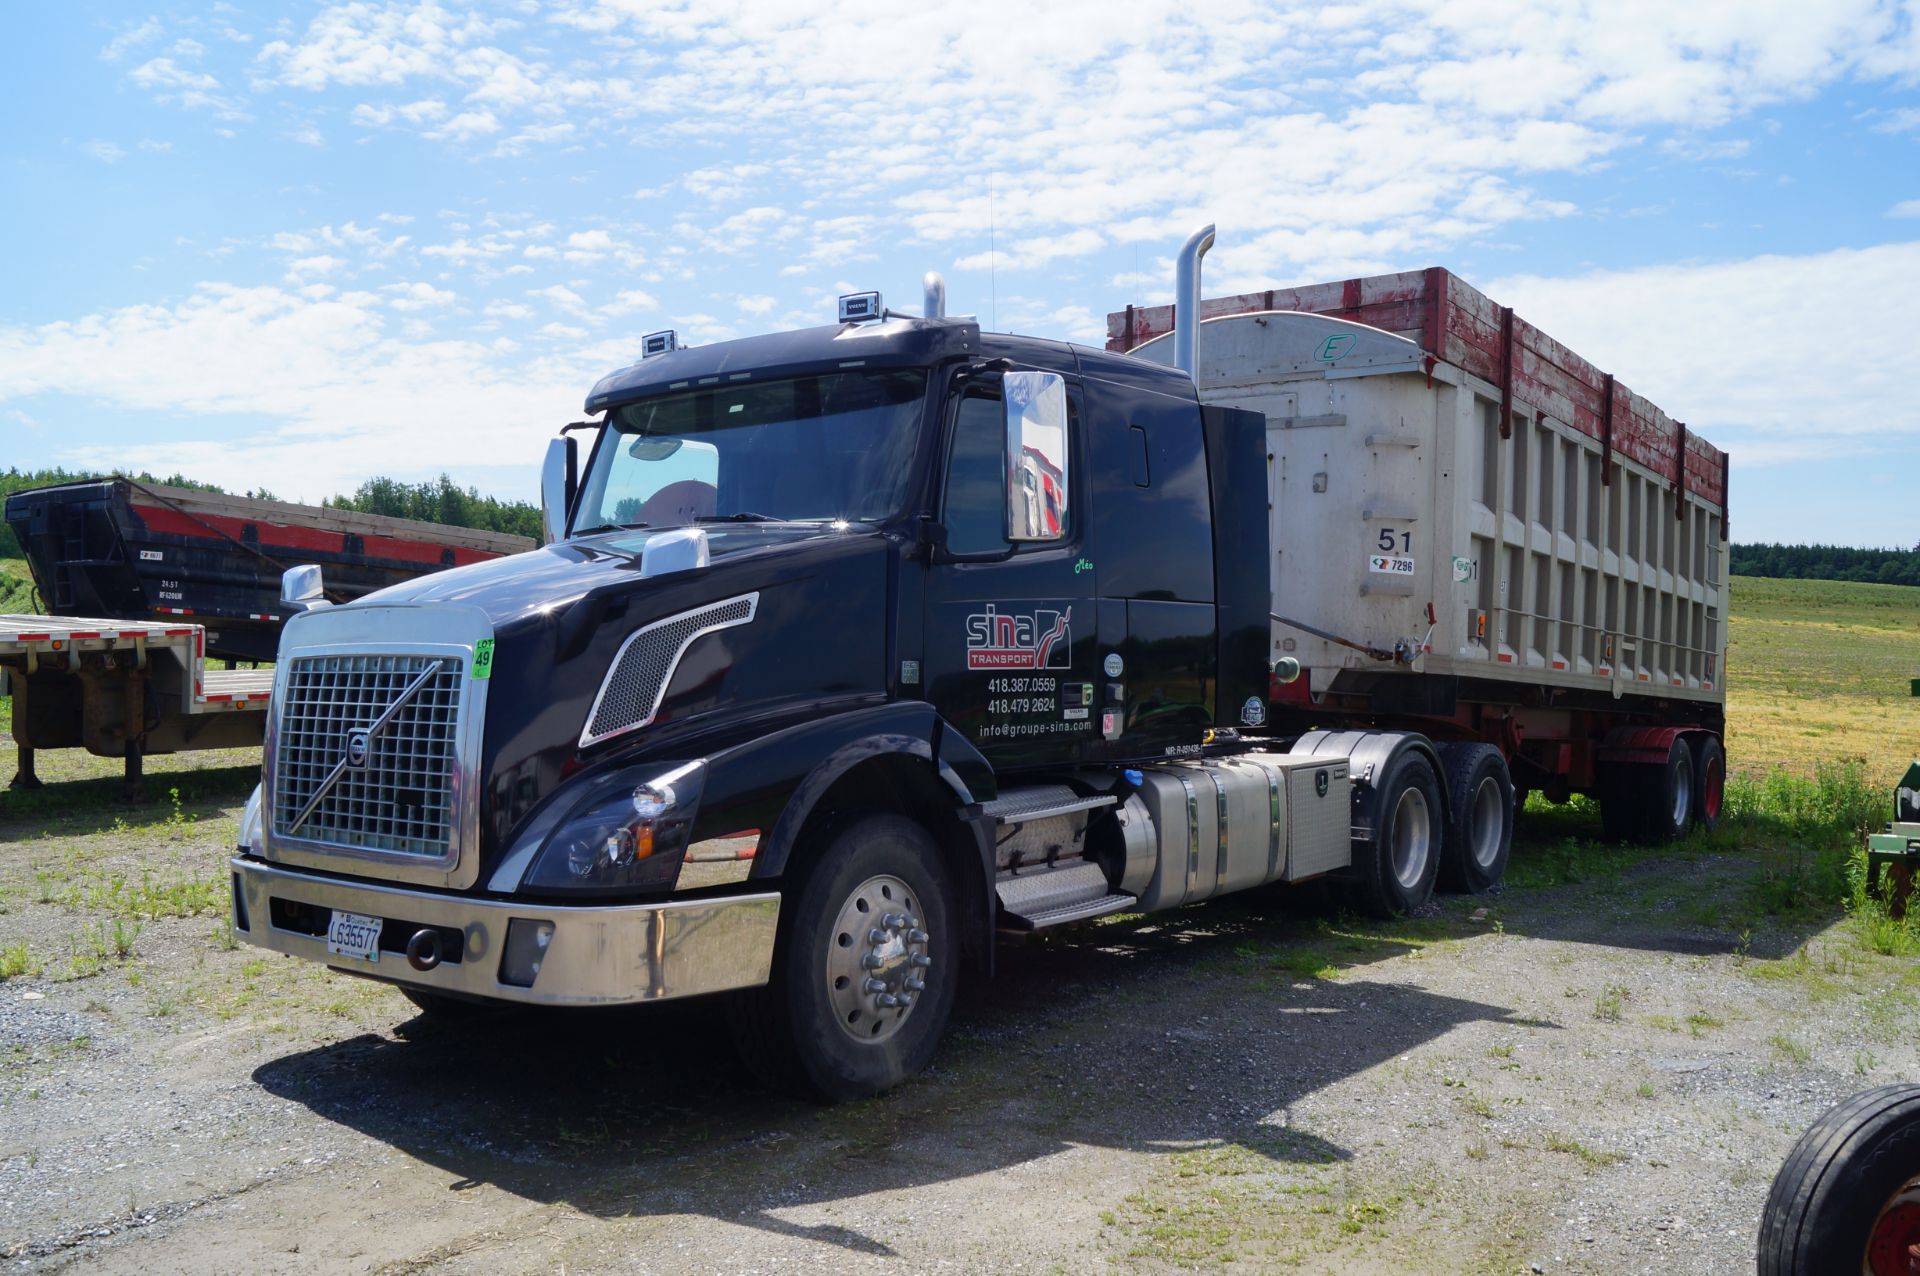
(1394, 872)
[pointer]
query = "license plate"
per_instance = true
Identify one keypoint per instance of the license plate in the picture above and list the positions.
(354, 935)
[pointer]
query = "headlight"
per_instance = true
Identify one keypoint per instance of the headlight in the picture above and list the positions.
(629, 839)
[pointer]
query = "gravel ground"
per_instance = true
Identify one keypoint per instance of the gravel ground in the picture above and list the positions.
(1591, 1078)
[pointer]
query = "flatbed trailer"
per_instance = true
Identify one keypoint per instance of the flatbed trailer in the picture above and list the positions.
(138, 551)
(124, 690)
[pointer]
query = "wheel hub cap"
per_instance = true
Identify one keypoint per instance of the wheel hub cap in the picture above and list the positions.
(877, 959)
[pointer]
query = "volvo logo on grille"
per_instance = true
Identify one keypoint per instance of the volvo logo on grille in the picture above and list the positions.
(359, 744)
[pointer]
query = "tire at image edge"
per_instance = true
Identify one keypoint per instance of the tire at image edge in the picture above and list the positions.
(1831, 1187)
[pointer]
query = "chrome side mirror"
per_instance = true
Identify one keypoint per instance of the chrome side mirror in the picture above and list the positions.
(302, 589)
(557, 488)
(1037, 477)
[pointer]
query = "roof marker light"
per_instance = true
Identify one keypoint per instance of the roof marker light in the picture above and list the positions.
(659, 343)
(861, 307)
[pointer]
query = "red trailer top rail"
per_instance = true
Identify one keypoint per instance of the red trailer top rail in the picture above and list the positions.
(1458, 324)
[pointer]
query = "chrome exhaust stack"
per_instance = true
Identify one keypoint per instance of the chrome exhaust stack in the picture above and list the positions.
(1186, 302)
(936, 295)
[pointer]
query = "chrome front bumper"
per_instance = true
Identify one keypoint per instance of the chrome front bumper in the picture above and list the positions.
(600, 955)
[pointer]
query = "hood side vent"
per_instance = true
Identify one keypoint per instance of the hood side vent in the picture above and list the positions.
(637, 683)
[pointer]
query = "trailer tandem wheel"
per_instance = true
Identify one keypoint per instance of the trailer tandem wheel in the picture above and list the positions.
(1480, 818)
(1666, 795)
(1710, 781)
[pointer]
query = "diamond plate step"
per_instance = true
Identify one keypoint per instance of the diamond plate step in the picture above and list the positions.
(1074, 912)
(1041, 802)
(1051, 896)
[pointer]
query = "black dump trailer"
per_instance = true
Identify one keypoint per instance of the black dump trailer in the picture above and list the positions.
(122, 549)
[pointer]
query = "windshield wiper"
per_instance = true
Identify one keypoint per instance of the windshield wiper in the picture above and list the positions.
(610, 527)
(744, 516)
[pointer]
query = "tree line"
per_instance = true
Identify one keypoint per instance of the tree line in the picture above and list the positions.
(1828, 562)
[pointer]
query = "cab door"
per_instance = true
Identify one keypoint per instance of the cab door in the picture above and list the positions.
(1009, 637)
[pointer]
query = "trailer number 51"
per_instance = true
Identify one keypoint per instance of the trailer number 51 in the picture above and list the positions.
(1391, 540)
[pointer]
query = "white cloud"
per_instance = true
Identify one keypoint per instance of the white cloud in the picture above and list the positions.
(561, 297)
(1728, 347)
(105, 152)
(417, 296)
(1905, 208)
(131, 38)
(308, 136)
(305, 267)
(466, 126)
(320, 383)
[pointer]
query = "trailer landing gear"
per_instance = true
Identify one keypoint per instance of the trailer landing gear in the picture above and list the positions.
(23, 776)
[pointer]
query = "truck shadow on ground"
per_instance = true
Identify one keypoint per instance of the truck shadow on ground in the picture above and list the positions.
(1196, 1028)
(79, 807)
(1159, 1034)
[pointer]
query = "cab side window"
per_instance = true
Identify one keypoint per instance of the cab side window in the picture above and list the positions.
(975, 513)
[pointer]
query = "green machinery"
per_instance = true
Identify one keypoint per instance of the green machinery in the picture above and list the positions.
(1896, 852)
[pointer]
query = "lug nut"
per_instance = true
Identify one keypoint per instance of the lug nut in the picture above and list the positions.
(876, 936)
(917, 937)
(914, 985)
(871, 961)
(886, 1001)
(893, 921)
(905, 999)
(921, 960)
(910, 921)
(874, 985)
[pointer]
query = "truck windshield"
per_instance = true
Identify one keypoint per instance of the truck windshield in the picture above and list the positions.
(832, 446)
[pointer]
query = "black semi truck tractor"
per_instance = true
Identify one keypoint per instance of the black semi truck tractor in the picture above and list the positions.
(849, 649)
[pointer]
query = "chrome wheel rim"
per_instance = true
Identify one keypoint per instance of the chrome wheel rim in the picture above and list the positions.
(1412, 837)
(1682, 794)
(877, 959)
(1489, 822)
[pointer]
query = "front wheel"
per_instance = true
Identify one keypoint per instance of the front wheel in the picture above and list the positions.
(864, 976)
(1395, 872)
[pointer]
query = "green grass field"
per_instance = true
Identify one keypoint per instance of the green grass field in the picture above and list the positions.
(1818, 672)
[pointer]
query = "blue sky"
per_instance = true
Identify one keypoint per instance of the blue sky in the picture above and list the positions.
(294, 246)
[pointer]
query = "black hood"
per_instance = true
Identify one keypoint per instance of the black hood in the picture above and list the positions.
(552, 577)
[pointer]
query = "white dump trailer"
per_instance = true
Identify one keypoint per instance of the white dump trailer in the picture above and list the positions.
(1476, 531)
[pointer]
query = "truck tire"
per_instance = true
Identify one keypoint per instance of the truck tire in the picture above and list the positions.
(1480, 818)
(1847, 1198)
(1710, 781)
(1394, 873)
(1665, 796)
(875, 904)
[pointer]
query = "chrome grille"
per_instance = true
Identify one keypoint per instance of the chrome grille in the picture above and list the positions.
(401, 799)
(631, 694)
